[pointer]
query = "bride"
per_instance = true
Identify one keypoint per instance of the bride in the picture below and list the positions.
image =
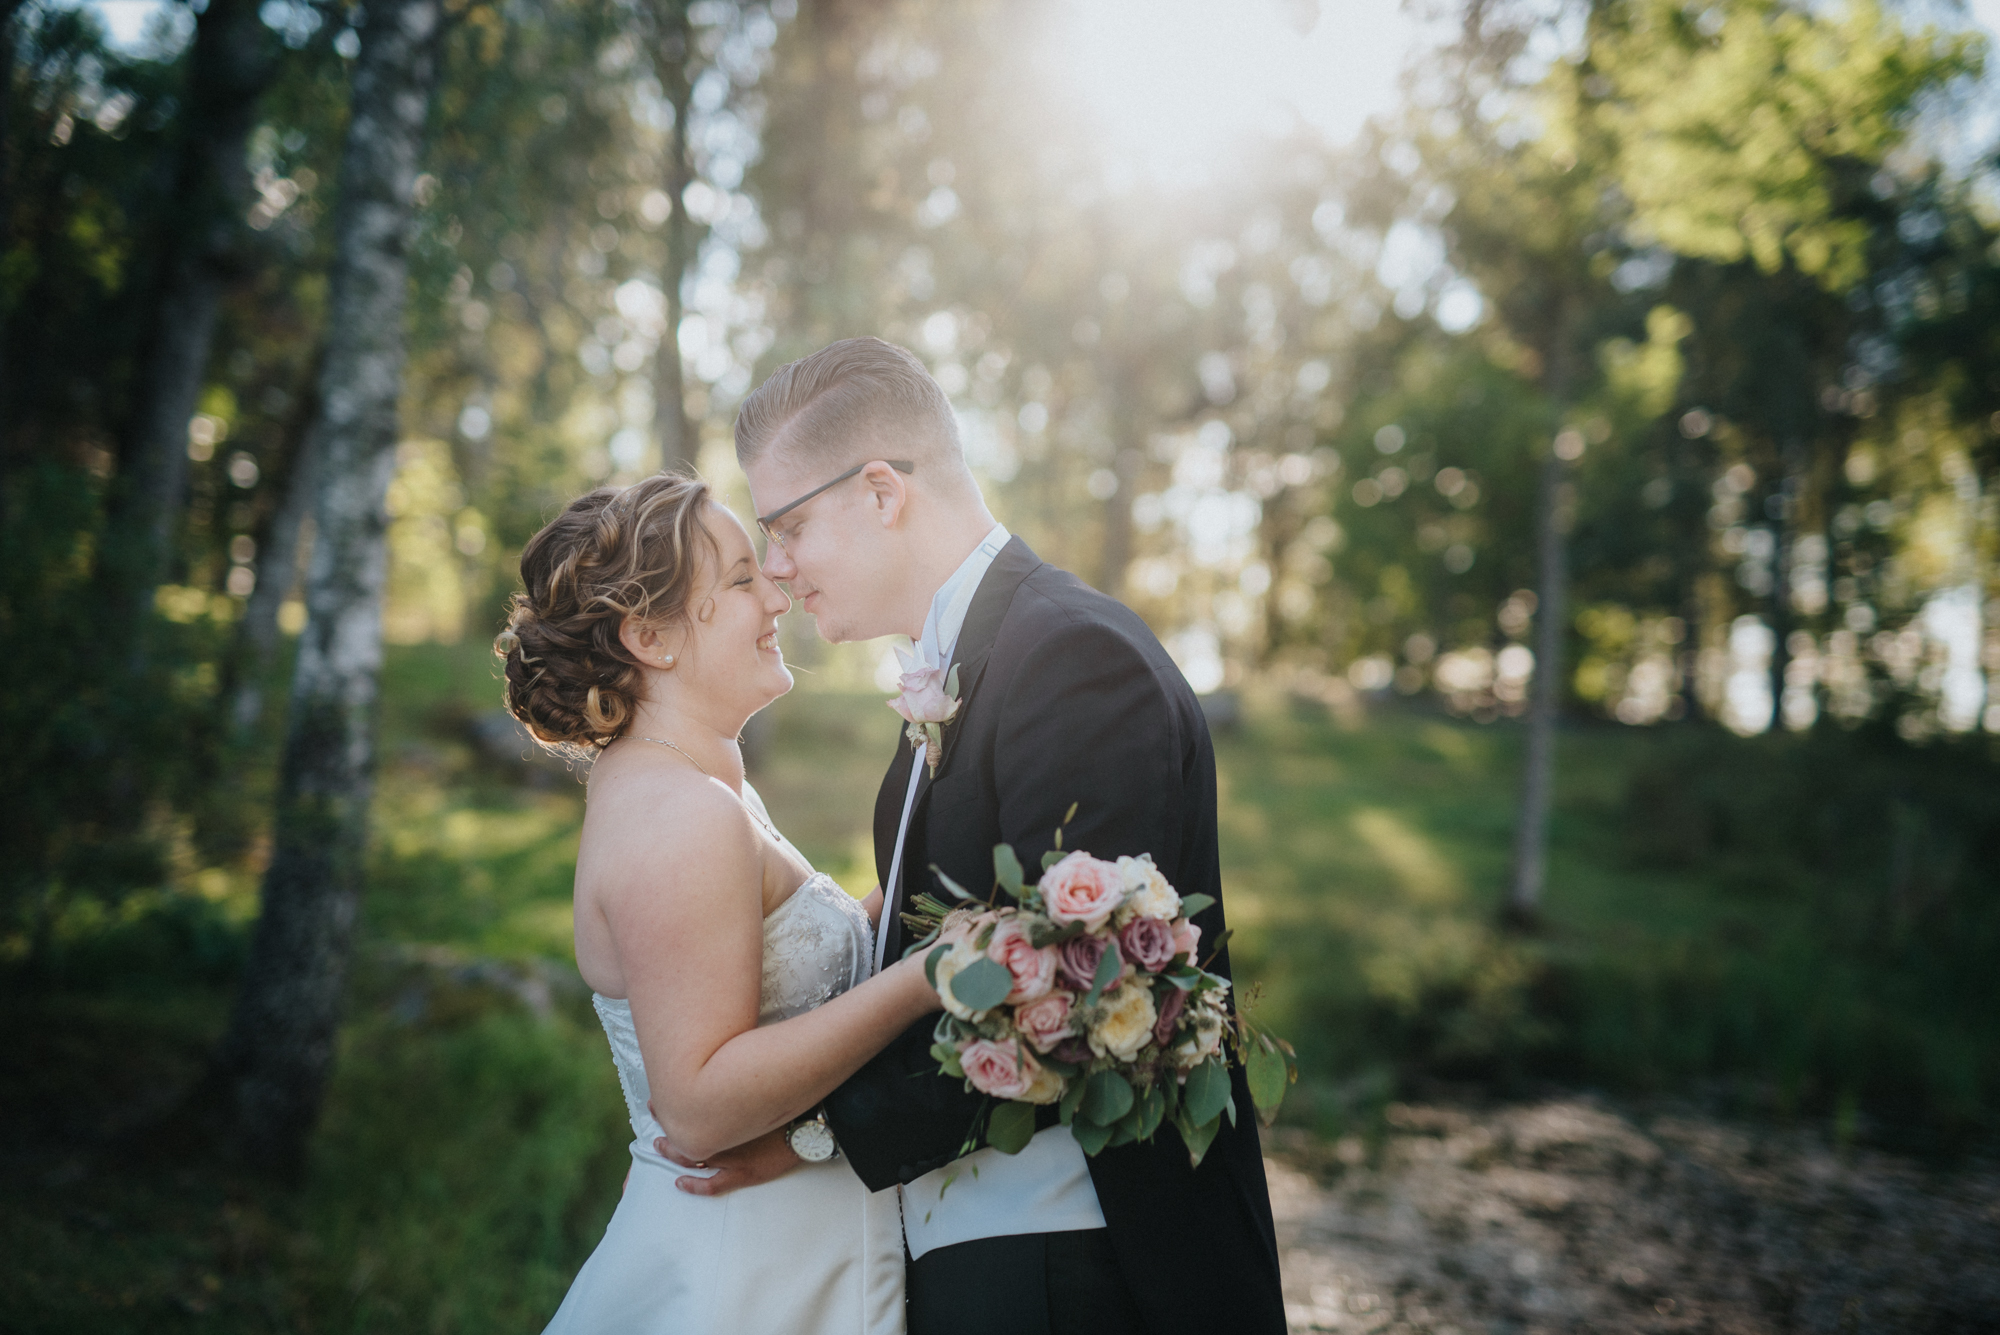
(732, 979)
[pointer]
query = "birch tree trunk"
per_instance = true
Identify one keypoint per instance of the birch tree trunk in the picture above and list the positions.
(679, 444)
(274, 1059)
(234, 59)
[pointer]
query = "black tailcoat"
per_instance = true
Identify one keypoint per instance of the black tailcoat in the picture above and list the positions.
(1068, 697)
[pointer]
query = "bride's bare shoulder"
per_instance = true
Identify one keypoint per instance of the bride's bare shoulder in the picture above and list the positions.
(658, 826)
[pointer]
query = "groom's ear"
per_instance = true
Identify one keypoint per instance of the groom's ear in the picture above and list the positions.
(888, 492)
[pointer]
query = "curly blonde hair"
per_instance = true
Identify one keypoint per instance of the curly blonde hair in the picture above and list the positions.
(617, 552)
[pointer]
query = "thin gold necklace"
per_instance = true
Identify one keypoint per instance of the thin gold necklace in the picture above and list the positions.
(661, 741)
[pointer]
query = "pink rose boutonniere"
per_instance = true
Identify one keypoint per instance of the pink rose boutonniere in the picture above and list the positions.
(928, 701)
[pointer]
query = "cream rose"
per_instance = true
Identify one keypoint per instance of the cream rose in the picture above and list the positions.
(999, 1067)
(1033, 968)
(1124, 1021)
(1082, 889)
(1046, 1087)
(1047, 1020)
(1187, 940)
(1148, 893)
(961, 954)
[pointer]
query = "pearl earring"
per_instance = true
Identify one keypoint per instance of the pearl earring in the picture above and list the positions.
(667, 661)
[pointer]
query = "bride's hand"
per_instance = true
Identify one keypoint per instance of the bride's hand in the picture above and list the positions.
(748, 1165)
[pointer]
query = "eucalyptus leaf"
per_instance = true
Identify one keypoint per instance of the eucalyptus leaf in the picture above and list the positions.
(1199, 1136)
(951, 681)
(1072, 1096)
(982, 984)
(1193, 904)
(1007, 869)
(1011, 1127)
(1206, 1092)
(1152, 1109)
(1267, 1074)
(1090, 1135)
(958, 891)
(1107, 1096)
(1054, 855)
(931, 963)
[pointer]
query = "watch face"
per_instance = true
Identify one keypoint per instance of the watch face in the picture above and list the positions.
(812, 1141)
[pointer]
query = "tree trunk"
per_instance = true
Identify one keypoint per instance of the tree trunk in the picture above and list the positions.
(275, 1057)
(205, 250)
(680, 446)
(1117, 553)
(277, 563)
(8, 9)
(1531, 831)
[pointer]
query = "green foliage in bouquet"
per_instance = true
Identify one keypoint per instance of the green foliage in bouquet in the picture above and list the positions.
(1085, 993)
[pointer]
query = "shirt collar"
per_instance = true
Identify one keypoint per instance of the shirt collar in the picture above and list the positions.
(954, 598)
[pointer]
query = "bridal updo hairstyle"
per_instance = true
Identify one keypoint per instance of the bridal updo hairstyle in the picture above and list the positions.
(617, 552)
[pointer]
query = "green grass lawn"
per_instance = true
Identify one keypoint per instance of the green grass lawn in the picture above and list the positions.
(1799, 928)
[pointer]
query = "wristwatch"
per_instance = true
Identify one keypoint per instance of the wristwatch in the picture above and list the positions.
(811, 1138)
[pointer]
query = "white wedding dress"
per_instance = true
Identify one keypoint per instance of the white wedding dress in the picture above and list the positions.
(812, 1253)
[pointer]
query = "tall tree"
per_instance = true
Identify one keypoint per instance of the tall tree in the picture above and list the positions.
(274, 1059)
(206, 247)
(673, 55)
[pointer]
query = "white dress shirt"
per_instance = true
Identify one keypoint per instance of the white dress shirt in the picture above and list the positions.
(1046, 1188)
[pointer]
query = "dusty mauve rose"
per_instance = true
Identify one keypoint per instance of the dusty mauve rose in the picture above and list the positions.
(923, 699)
(1170, 1002)
(1082, 889)
(1045, 1021)
(1033, 968)
(999, 1067)
(1187, 939)
(1075, 1051)
(1148, 943)
(1078, 959)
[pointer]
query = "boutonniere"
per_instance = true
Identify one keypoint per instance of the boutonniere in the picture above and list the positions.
(928, 701)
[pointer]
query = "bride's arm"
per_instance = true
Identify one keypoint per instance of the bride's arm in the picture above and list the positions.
(686, 917)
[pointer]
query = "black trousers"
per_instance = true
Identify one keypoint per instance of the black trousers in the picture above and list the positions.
(1022, 1284)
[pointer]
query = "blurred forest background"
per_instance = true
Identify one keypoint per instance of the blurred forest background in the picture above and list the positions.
(1572, 479)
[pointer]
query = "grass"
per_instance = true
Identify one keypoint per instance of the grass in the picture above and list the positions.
(1797, 928)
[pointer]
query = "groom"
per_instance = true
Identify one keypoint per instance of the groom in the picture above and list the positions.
(877, 526)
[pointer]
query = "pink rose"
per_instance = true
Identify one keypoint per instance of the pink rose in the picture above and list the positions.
(1172, 1003)
(1082, 889)
(1034, 969)
(1187, 940)
(1077, 958)
(998, 1067)
(923, 699)
(1148, 943)
(1045, 1021)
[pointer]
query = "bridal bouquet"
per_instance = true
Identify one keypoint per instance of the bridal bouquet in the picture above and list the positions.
(1086, 993)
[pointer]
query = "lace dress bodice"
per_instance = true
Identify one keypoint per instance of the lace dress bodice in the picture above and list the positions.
(817, 944)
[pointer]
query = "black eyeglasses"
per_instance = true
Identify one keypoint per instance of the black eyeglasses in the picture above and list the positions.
(764, 522)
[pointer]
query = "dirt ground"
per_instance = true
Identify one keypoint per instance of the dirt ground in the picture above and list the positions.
(1571, 1216)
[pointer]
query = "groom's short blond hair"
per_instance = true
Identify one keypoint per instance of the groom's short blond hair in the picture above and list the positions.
(857, 399)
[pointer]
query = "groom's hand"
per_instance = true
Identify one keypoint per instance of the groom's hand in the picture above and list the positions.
(749, 1164)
